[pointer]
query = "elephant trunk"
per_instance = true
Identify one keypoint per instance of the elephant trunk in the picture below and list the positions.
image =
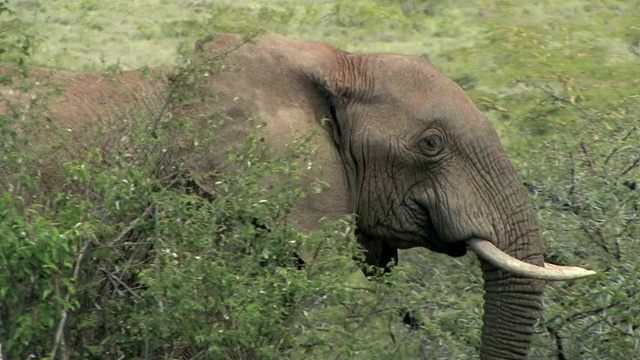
(511, 309)
(513, 266)
(512, 300)
(513, 296)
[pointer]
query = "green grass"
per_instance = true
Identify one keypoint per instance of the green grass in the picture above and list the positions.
(507, 48)
(500, 45)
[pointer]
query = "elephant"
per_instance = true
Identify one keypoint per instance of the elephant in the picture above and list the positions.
(403, 148)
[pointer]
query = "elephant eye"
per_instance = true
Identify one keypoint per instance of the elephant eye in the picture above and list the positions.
(432, 144)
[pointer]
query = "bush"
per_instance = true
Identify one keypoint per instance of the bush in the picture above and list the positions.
(113, 249)
(585, 188)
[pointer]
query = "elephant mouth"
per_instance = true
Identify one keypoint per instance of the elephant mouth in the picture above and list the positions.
(489, 252)
(436, 242)
(454, 249)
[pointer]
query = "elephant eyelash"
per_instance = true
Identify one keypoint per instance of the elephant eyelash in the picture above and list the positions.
(432, 144)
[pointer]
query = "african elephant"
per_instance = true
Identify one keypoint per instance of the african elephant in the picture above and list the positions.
(405, 150)
(402, 146)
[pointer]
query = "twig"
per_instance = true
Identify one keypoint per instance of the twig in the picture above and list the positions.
(606, 161)
(597, 232)
(635, 164)
(616, 327)
(585, 314)
(119, 281)
(559, 345)
(557, 98)
(180, 81)
(59, 339)
(144, 216)
(633, 48)
(624, 138)
(572, 174)
(389, 329)
(587, 159)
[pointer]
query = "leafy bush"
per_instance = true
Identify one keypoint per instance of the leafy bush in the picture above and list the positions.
(124, 254)
(589, 203)
(16, 42)
(579, 157)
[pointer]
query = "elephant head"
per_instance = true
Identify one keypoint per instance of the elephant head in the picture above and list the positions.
(415, 159)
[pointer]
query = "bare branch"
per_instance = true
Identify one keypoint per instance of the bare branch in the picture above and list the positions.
(555, 334)
(587, 159)
(634, 165)
(119, 281)
(624, 138)
(59, 342)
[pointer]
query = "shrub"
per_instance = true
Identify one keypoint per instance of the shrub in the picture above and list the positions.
(124, 254)
(585, 188)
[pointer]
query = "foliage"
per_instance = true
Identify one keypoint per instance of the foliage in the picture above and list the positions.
(590, 207)
(130, 261)
(130, 256)
(16, 43)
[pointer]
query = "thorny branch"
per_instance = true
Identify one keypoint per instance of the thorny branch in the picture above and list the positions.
(554, 331)
(602, 241)
(590, 164)
(564, 100)
(597, 235)
(624, 138)
(59, 342)
(180, 78)
(634, 165)
(587, 159)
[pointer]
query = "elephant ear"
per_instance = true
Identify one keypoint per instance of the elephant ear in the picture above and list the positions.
(339, 73)
(340, 76)
(317, 69)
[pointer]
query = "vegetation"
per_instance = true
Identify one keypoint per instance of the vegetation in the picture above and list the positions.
(132, 259)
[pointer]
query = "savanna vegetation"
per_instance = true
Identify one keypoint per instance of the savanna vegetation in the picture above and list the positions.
(131, 259)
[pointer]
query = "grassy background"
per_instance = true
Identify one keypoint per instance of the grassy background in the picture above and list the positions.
(559, 80)
(499, 50)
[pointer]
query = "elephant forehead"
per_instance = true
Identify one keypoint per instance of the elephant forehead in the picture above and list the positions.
(438, 98)
(422, 90)
(446, 105)
(411, 73)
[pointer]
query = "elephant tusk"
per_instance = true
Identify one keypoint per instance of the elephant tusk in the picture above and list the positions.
(489, 252)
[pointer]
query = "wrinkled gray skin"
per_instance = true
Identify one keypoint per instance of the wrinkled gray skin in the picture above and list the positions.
(405, 150)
